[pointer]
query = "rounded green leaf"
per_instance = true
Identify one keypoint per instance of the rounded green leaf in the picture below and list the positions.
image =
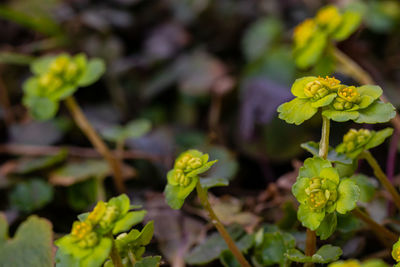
(175, 195)
(350, 22)
(310, 218)
(366, 100)
(313, 166)
(373, 91)
(349, 193)
(41, 65)
(378, 138)
(324, 101)
(327, 253)
(41, 108)
(31, 87)
(299, 84)
(298, 189)
(377, 112)
(95, 68)
(340, 116)
(327, 226)
(296, 111)
(330, 174)
(98, 254)
(309, 54)
(128, 221)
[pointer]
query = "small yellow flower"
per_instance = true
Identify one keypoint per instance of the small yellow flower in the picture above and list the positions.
(304, 31)
(330, 82)
(81, 229)
(59, 64)
(349, 94)
(95, 216)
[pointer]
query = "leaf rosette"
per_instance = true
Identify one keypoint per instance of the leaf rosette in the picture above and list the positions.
(321, 192)
(55, 78)
(356, 141)
(182, 179)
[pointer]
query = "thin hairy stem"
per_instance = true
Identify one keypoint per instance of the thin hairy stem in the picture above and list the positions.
(382, 177)
(203, 196)
(96, 141)
(386, 236)
(350, 67)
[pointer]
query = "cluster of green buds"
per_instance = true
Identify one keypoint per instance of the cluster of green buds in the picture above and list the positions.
(57, 77)
(312, 36)
(338, 102)
(62, 70)
(182, 179)
(320, 191)
(93, 232)
(356, 141)
(347, 97)
(321, 194)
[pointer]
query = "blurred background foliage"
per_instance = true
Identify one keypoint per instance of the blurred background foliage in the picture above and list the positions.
(184, 74)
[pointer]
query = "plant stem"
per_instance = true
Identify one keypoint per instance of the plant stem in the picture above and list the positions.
(203, 196)
(116, 259)
(311, 242)
(324, 143)
(131, 257)
(96, 141)
(381, 177)
(386, 236)
(359, 74)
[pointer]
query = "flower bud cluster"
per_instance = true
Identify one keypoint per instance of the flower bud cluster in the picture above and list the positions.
(62, 70)
(355, 139)
(320, 195)
(83, 232)
(347, 97)
(321, 87)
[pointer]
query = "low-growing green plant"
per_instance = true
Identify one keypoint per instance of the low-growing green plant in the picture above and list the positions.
(323, 188)
(91, 241)
(184, 178)
(57, 78)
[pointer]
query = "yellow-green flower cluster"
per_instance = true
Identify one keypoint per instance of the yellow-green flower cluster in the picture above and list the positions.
(339, 102)
(182, 179)
(356, 141)
(312, 36)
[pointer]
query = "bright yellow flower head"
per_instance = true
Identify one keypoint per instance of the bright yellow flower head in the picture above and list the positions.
(81, 229)
(349, 94)
(95, 216)
(304, 31)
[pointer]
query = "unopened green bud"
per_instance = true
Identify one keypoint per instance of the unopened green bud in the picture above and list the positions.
(91, 239)
(71, 71)
(111, 213)
(315, 90)
(194, 163)
(59, 64)
(354, 139)
(342, 104)
(181, 163)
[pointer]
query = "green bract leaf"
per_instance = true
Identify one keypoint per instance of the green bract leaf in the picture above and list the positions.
(324, 101)
(95, 68)
(340, 116)
(333, 156)
(313, 166)
(309, 54)
(296, 111)
(327, 226)
(299, 85)
(42, 64)
(310, 218)
(211, 182)
(41, 108)
(134, 129)
(128, 221)
(350, 22)
(348, 195)
(378, 112)
(298, 189)
(378, 138)
(175, 195)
